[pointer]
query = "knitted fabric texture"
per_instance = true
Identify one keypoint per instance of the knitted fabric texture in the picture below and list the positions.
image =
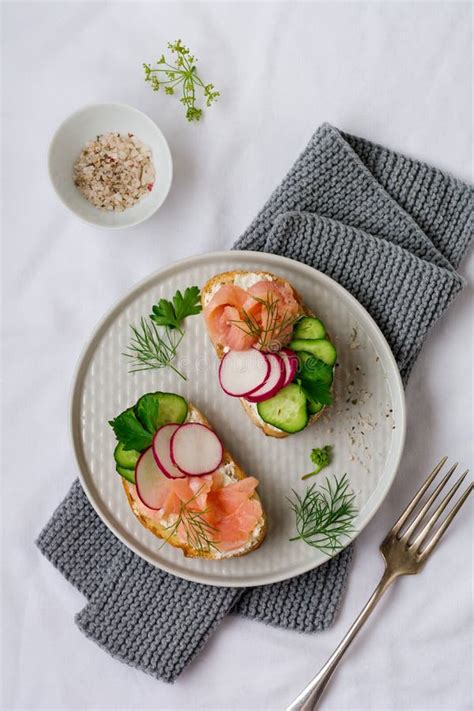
(389, 229)
(403, 293)
(369, 187)
(122, 590)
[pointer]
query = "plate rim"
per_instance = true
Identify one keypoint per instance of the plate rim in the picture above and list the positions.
(102, 325)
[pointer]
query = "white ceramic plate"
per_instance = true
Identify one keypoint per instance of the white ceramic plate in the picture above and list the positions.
(84, 125)
(366, 424)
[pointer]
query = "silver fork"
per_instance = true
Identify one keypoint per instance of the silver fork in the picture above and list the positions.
(406, 548)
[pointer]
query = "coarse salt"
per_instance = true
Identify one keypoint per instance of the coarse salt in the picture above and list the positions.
(114, 171)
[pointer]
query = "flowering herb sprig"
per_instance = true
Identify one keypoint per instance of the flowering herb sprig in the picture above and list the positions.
(181, 76)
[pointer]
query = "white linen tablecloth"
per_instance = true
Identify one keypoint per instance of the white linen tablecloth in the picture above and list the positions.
(396, 73)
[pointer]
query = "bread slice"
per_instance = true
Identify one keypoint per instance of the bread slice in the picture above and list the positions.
(242, 278)
(235, 473)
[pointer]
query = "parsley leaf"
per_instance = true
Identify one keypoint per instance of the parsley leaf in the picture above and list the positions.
(171, 314)
(189, 304)
(164, 314)
(317, 391)
(146, 410)
(129, 431)
(312, 368)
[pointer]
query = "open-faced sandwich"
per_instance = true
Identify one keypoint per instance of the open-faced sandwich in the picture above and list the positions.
(180, 482)
(276, 356)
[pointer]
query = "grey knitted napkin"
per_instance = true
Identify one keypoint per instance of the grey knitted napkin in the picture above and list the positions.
(391, 230)
(155, 621)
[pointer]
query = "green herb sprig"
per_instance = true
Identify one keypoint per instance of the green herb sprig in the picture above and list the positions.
(321, 458)
(325, 516)
(130, 432)
(198, 532)
(316, 391)
(172, 313)
(181, 76)
(276, 326)
(155, 343)
(151, 347)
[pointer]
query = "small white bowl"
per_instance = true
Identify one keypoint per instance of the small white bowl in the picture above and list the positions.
(86, 124)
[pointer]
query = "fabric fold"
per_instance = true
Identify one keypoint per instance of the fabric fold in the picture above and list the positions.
(307, 603)
(332, 180)
(440, 204)
(78, 543)
(404, 294)
(152, 620)
(156, 622)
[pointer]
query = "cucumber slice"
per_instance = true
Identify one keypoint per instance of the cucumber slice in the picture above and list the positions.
(171, 409)
(312, 368)
(286, 410)
(157, 409)
(128, 474)
(308, 327)
(314, 407)
(322, 349)
(125, 458)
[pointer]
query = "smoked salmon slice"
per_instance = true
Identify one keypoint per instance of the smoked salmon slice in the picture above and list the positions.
(226, 312)
(222, 315)
(228, 509)
(277, 319)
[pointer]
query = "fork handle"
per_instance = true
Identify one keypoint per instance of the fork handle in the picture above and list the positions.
(310, 696)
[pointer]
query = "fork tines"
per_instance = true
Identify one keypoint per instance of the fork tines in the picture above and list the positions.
(423, 543)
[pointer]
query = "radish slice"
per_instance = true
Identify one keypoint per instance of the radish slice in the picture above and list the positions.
(196, 450)
(275, 380)
(290, 359)
(149, 480)
(242, 372)
(162, 454)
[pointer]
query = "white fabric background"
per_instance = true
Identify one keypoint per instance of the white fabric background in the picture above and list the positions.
(399, 74)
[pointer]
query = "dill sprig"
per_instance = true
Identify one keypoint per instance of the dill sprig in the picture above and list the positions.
(325, 516)
(276, 326)
(151, 347)
(197, 530)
